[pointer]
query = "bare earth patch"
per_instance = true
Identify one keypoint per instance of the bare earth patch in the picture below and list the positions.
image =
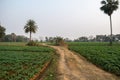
(74, 67)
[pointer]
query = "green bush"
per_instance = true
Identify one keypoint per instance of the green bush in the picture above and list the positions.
(32, 43)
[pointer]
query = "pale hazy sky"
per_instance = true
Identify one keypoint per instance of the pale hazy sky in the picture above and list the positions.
(66, 18)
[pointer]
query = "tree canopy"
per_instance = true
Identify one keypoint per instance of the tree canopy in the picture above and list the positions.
(109, 6)
(30, 27)
(2, 31)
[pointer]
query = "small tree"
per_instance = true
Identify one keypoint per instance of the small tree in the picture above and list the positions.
(30, 27)
(13, 35)
(2, 32)
(60, 42)
(109, 6)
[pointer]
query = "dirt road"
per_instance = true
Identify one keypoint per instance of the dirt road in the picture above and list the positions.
(74, 67)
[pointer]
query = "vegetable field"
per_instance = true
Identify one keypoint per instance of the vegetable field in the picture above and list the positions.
(22, 62)
(106, 57)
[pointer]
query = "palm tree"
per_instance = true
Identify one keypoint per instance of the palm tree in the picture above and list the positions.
(108, 6)
(30, 27)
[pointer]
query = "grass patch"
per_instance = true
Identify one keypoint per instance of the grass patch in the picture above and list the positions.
(51, 73)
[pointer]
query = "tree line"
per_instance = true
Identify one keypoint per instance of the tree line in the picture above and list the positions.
(14, 38)
(98, 38)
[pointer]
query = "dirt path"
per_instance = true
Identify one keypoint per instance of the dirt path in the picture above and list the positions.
(74, 67)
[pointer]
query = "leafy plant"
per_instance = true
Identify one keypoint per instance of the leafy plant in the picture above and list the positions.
(22, 62)
(106, 57)
(32, 43)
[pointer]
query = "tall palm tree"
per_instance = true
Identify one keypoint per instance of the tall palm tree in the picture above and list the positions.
(30, 27)
(109, 6)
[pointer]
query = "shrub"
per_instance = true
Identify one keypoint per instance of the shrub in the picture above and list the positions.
(60, 42)
(32, 43)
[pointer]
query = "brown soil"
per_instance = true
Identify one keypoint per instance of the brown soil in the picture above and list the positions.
(74, 67)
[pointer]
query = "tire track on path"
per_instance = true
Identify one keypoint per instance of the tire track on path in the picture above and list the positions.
(74, 67)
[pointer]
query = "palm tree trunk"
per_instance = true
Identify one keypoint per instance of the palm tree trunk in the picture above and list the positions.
(111, 36)
(30, 35)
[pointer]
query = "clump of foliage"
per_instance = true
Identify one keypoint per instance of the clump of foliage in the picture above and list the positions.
(60, 42)
(2, 31)
(32, 43)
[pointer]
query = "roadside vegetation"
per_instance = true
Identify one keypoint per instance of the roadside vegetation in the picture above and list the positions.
(104, 56)
(51, 73)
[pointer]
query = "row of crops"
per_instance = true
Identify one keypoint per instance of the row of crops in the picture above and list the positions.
(106, 57)
(22, 62)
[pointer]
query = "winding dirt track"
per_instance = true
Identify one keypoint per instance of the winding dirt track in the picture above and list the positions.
(74, 67)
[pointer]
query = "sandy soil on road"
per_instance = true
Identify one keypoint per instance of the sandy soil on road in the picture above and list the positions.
(74, 67)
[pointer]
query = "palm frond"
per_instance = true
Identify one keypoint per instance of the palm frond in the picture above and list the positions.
(109, 6)
(116, 2)
(109, 1)
(103, 2)
(30, 26)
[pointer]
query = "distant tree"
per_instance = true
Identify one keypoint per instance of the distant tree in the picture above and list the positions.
(106, 38)
(18, 38)
(13, 35)
(2, 32)
(59, 41)
(30, 27)
(118, 36)
(90, 38)
(21, 38)
(46, 39)
(51, 39)
(102, 38)
(83, 39)
(8, 38)
(67, 40)
(108, 6)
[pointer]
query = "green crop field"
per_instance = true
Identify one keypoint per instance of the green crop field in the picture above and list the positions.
(104, 56)
(22, 62)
